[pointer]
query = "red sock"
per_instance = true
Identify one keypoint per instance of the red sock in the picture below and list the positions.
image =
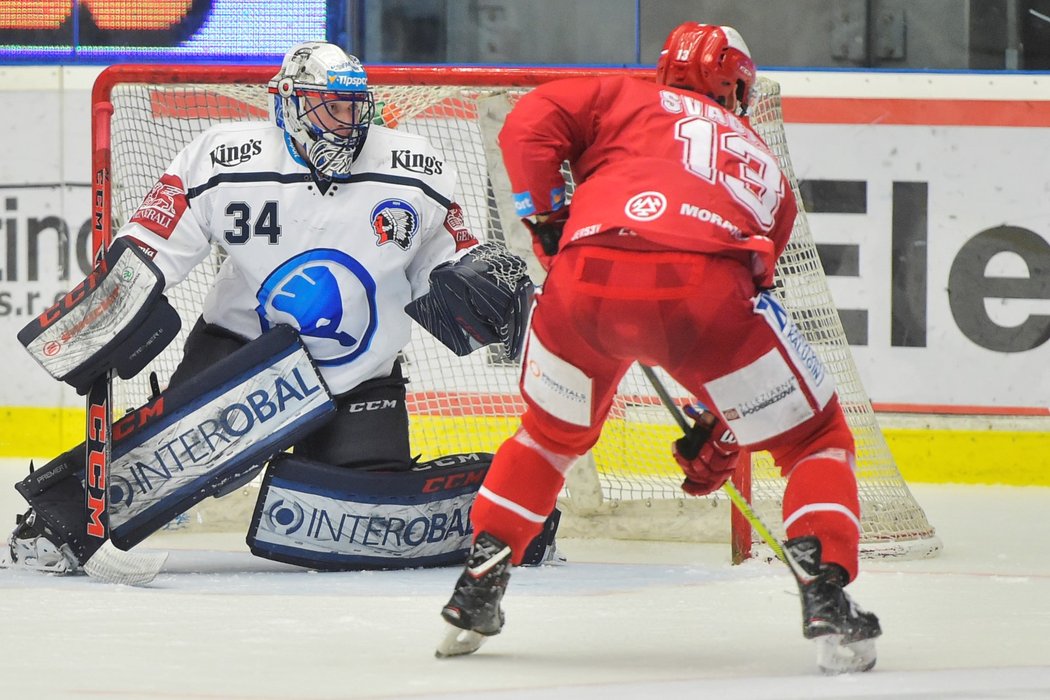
(821, 500)
(519, 492)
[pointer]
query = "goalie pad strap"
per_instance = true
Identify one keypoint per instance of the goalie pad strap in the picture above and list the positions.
(190, 441)
(117, 318)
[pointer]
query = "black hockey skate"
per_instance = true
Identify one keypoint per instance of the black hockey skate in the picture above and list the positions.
(845, 634)
(473, 612)
(33, 545)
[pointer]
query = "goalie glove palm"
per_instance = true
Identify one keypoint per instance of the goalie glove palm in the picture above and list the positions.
(707, 454)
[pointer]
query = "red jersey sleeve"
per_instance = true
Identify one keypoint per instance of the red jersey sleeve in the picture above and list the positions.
(781, 232)
(549, 125)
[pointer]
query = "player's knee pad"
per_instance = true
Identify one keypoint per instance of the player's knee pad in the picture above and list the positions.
(326, 517)
(557, 438)
(191, 441)
(829, 432)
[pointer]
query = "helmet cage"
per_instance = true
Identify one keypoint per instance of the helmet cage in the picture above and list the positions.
(316, 117)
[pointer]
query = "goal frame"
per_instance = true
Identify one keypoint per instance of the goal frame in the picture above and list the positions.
(741, 536)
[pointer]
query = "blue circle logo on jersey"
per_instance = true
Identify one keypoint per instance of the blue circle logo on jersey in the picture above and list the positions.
(395, 220)
(329, 297)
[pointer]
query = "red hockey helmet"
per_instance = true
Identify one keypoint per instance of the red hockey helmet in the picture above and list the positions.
(710, 60)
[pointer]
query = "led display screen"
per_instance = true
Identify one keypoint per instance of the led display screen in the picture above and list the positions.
(108, 31)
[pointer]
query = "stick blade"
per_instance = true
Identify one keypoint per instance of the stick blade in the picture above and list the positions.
(111, 565)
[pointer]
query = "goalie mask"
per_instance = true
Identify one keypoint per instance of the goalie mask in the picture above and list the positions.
(322, 101)
(710, 60)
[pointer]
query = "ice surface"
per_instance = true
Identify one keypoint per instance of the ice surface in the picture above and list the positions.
(619, 620)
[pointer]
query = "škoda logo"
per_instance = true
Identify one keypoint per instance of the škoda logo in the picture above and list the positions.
(104, 22)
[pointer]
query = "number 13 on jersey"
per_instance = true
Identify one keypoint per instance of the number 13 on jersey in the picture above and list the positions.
(748, 172)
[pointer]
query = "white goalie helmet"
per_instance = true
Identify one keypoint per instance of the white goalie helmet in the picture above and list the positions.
(322, 101)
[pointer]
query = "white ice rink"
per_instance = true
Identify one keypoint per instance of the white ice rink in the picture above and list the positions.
(619, 620)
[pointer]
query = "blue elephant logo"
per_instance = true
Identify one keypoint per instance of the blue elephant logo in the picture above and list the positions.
(329, 297)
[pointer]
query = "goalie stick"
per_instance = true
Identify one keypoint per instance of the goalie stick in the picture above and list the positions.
(105, 563)
(834, 656)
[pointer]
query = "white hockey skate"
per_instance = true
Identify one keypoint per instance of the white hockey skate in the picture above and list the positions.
(32, 546)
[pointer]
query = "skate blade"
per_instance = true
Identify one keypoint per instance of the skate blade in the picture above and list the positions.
(458, 642)
(834, 657)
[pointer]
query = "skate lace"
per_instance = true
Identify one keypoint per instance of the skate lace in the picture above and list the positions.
(489, 555)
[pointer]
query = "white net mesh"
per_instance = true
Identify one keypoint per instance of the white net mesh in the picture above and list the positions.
(628, 486)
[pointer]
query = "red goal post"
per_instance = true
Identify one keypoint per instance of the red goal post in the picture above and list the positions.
(627, 487)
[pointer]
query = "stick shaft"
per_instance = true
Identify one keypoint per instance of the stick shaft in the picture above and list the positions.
(734, 495)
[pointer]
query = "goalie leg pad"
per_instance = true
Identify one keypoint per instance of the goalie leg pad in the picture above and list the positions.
(190, 442)
(199, 436)
(325, 517)
(55, 492)
(336, 519)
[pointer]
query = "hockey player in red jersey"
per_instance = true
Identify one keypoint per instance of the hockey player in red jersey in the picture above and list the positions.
(665, 257)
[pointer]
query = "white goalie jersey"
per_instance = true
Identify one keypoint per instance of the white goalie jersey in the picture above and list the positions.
(337, 260)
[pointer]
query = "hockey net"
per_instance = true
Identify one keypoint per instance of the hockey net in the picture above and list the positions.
(628, 486)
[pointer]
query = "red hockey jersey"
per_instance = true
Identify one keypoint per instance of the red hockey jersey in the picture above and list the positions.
(673, 167)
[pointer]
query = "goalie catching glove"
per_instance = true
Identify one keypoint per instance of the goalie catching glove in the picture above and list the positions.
(481, 298)
(707, 453)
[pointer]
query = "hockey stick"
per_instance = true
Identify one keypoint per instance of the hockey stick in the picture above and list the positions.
(103, 560)
(734, 495)
(833, 654)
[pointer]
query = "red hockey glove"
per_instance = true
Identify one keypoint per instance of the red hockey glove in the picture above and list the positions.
(546, 235)
(707, 454)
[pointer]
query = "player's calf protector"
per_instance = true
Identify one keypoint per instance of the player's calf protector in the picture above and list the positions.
(187, 443)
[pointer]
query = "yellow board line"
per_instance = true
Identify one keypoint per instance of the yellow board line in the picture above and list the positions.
(1009, 457)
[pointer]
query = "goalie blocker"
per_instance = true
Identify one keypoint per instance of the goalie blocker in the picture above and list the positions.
(117, 318)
